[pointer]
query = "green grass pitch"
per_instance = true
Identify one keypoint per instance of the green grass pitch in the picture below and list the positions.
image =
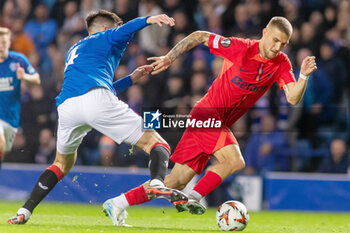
(63, 217)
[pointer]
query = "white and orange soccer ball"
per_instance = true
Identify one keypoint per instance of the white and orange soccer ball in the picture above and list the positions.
(232, 216)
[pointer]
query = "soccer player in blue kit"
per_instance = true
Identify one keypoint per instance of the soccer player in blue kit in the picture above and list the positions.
(88, 100)
(14, 67)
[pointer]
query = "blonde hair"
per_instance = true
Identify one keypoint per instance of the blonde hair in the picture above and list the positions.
(281, 24)
(5, 31)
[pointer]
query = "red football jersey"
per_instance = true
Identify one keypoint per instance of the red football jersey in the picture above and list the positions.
(244, 76)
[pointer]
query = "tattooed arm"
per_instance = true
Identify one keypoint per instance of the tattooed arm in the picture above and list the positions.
(194, 39)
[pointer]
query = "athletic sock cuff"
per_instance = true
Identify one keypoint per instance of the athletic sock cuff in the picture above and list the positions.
(57, 171)
(136, 196)
(162, 144)
(208, 183)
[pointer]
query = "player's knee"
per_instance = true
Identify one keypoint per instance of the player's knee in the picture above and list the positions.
(241, 164)
(235, 164)
(151, 139)
(174, 182)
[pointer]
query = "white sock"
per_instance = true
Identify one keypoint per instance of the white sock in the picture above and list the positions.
(195, 195)
(157, 183)
(121, 202)
(26, 213)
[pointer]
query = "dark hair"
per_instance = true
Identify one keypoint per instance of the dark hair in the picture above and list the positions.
(282, 24)
(106, 15)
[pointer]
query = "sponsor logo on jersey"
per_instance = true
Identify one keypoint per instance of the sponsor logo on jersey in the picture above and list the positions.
(225, 43)
(247, 86)
(6, 84)
(13, 66)
(242, 70)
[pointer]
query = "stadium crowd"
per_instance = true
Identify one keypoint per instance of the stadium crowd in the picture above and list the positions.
(314, 136)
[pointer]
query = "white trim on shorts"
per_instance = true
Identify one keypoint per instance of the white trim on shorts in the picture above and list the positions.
(100, 109)
(9, 134)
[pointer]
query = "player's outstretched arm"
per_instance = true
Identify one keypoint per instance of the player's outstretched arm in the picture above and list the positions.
(127, 81)
(192, 40)
(32, 79)
(126, 31)
(295, 91)
(160, 20)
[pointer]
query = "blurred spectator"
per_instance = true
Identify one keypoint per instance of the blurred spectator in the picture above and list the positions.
(321, 28)
(259, 110)
(20, 41)
(35, 115)
(107, 148)
(182, 26)
(126, 9)
(74, 23)
(261, 152)
(42, 31)
(7, 14)
(88, 151)
(135, 98)
(153, 37)
(173, 94)
(199, 83)
(47, 147)
(24, 8)
(307, 38)
(316, 100)
(338, 159)
(241, 132)
(170, 6)
(57, 12)
(334, 68)
(19, 153)
(242, 25)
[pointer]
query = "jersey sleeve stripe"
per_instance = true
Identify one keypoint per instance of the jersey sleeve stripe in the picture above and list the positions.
(216, 42)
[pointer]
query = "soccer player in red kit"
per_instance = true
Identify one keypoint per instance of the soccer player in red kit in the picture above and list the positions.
(250, 68)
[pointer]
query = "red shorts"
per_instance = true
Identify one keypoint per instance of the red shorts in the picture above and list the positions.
(195, 148)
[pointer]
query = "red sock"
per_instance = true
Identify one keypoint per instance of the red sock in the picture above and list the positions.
(57, 171)
(136, 196)
(208, 183)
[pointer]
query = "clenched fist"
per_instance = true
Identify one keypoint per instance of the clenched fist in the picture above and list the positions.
(308, 66)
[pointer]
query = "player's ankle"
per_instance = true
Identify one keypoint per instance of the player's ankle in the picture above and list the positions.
(121, 202)
(194, 195)
(25, 212)
(156, 183)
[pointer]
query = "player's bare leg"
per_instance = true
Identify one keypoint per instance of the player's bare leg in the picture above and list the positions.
(47, 181)
(229, 161)
(153, 144)
(159, 151)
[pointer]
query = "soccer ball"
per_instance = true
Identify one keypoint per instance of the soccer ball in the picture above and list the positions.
(232, 216)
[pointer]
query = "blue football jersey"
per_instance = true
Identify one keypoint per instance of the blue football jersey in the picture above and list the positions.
(10, 87)
(92, 61)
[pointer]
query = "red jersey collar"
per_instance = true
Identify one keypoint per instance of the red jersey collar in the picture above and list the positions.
(256, 56)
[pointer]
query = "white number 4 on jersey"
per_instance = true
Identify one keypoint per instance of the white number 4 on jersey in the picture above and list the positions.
(72, 55)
